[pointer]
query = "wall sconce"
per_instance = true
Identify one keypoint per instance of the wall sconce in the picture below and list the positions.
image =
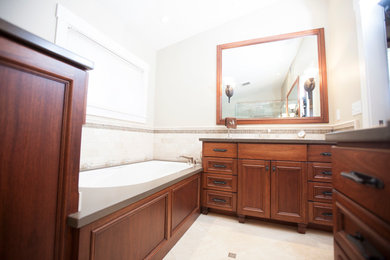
(309, 86)
(229, 92)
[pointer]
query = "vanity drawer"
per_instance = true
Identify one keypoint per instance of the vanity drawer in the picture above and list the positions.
(363, 175)
(321, 192)
(359, 232)
(320, 213)
(220, 200)
(220, 165)
(219, 182)
(319, 172)
(319, 153)
(220, 149)
(276, 152)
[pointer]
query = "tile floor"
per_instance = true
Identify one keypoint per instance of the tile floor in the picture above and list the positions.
(213, 237)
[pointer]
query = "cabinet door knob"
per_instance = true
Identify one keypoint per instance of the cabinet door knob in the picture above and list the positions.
(267, 168)
(364, 179)
(273, 168)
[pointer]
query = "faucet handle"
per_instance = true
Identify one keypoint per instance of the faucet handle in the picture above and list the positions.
(189, 158)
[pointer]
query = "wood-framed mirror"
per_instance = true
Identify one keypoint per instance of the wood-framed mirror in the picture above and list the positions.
(273, 80)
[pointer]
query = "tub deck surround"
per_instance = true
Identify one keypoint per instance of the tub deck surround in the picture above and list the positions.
(268, 179)
(148, 223)
(126, 195)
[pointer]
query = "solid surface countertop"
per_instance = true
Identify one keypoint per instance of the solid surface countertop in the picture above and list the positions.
(266, 141)
(80, 219)
(375, 134)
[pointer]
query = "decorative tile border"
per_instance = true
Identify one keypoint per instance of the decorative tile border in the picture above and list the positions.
(119, 128)
(350, 125)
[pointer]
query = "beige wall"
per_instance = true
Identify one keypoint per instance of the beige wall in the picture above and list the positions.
(343, 61)
(186, 71)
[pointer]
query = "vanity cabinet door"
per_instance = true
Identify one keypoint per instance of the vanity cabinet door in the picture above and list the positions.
(254, 188)
(288, 191)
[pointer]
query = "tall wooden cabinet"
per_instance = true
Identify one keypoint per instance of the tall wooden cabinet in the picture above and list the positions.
(42, 93)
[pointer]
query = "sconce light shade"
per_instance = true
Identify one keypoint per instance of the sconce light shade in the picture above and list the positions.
(309, 86)
(229, 92)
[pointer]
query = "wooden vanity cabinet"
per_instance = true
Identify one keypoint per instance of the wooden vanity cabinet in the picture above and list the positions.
(279, 181)
(42, 106)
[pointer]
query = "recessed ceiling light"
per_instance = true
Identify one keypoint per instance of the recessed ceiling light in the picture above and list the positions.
(165, 19)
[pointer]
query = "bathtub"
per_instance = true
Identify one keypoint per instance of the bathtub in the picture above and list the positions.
(102, 188)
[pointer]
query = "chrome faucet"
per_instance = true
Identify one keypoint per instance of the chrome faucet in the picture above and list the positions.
(190, 159)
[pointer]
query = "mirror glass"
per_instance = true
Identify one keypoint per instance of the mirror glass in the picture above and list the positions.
(273, 80)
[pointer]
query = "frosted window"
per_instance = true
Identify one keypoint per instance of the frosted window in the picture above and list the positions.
(116, 86)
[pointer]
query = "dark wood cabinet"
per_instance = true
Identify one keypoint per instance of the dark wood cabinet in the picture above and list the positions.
(42, 93)
(274, 180)
(288, 191)
(361, 205)
(254, 188)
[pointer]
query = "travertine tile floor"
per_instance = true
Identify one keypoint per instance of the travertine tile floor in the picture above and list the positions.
(213, 237)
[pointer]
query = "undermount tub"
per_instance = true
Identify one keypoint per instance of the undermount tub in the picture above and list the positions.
(102, 188)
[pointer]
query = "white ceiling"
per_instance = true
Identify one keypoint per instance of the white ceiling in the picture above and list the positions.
(165, 22)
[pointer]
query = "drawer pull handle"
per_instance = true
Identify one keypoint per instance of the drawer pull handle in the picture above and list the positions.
(367, 250)
(327, 214)
(220, 150)
(327, 193)
(219, 166)
(326, 173)
(219, 200)
(326, 154)
(363, 179)
(220, 182)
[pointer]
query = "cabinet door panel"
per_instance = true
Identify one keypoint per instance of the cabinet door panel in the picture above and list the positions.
(288, 198)
(134, 235)
(41, 111)
(254, 188)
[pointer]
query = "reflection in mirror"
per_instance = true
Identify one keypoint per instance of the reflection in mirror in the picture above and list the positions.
(271, 79)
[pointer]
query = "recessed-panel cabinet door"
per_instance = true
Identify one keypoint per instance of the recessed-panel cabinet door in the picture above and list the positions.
(41, 112)
(288, 191)
(254, 188)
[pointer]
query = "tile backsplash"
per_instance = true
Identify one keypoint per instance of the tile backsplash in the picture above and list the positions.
(106, 145)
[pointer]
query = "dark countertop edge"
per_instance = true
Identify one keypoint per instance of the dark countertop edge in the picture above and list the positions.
(272, 141)
(42, 45)
(76, 221)
(375, 134)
